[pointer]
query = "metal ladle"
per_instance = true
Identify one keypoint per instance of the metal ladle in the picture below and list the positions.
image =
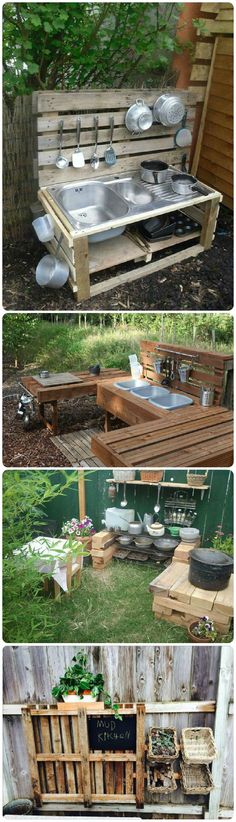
(94, 162)
(157, 506)
(61, 162)
(124, 501)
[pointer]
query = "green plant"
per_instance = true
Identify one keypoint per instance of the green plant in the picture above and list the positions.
(80, 528)
(205, 628)
(223, 543)
(78, 678)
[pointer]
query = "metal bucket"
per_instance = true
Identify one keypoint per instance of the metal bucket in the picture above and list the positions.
(207, 396)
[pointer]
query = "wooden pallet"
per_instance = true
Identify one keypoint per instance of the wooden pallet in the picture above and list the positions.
(64, 768)
(76, 447)
(85, 260)
(175, 599)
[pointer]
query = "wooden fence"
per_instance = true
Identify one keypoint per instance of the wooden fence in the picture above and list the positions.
(19, 185)
(152, 674)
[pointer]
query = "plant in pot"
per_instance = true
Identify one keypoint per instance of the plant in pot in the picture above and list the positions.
(202, 630)
(78, 684)
(81, 530)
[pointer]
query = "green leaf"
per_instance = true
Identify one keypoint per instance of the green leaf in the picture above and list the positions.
(47, 27)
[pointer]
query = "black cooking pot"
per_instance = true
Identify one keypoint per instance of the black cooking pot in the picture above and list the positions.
(95, 369)
(210, 569)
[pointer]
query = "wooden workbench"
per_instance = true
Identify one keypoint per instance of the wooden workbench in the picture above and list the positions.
(53, 394)
(192, 436)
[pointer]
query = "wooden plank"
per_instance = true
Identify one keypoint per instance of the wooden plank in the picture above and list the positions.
(224, 600)
(78, 768)
(29, 737)
(182, 588)
(140, 754)
(164, 581)
(67, 745)
(223, 697)
(203, 599)
(208, 227)
(192, 609)
(89, 100)
(203, 706)
(57, 748)
(118, 250)
(46, 124)
(84, 749)
(196, 157)
(82, 268)
(48, 175)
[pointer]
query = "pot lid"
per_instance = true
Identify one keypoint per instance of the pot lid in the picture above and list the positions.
(209, 556)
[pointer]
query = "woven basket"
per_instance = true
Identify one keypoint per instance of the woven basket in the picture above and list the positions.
(196, 480)
(123, 475)
(151, 476)
(198, 746)
(158, 773)
(161, 757)
(195, 779)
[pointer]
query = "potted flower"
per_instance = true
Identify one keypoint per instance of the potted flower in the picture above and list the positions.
(78, 684)
(81, 530)
(202, 630)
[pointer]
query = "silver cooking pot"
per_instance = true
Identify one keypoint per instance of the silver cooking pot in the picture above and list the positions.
(185, 184)
(154, 171)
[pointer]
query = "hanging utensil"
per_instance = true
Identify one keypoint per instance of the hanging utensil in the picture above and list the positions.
(110, 155)
(78, 160)
(94, 162)
(61, 162)
(157, 506)
(124, 500)
(172, 369)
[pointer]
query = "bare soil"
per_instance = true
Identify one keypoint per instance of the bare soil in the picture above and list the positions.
(201, 283)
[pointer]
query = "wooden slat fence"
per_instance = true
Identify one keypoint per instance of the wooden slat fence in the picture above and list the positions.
(140, 674)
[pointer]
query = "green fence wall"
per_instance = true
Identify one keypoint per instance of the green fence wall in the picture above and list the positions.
(216, 507)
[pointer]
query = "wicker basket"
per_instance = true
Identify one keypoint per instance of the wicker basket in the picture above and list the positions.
(152, 757)
(151, 476)
(123, 475)
(198, 746)
(163, 774)
(195, 779)
(196, 480)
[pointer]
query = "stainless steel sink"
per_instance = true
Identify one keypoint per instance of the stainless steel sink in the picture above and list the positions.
(90, 204)
(134, 193)
(129, 384)
(171, 402)
(149, 392)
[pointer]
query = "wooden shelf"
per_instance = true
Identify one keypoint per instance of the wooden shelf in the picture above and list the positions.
(163, 484)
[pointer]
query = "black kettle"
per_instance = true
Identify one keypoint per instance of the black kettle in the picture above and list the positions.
(95, 369)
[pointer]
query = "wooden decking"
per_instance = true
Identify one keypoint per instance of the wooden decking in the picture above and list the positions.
(76, 447)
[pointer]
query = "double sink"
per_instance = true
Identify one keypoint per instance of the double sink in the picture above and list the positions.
(96, 203)
(154, 394)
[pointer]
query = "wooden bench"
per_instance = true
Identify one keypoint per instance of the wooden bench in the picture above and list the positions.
(51, 395)
(197, 436)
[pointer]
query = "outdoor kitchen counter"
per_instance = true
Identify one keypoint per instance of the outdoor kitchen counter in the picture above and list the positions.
(128, 408)
(191, 436)
(52, 394)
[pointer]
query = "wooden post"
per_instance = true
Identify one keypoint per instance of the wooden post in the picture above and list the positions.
(82, 268)
(30, 744)
(196, 157)
(57, 589)
(69, 572)
(107, 422)
(54, 417)
(222, 708)
(81, 495)
(140, 754)
(84, 750)
(209, 223)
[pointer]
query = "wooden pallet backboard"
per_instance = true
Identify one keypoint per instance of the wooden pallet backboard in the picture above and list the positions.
(208, 367)
(51, 107)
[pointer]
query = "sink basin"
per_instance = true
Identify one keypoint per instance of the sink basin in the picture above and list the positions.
(91, 204)
(149, 392)
(133, 192)
(171, 402)
(128, 385)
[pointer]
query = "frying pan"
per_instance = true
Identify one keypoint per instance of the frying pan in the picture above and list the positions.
(185, 184)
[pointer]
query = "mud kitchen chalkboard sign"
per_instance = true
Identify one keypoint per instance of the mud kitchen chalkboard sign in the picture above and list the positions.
(106, 733)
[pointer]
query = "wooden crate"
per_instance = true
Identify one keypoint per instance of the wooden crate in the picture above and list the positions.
(64, 768)
(176, 600)
(183, 550)
(101, 557)
(85, 260)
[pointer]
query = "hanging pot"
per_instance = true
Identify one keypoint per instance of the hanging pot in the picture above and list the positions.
(154, 171)
(168, 109)
(210, 569)
(139, 117)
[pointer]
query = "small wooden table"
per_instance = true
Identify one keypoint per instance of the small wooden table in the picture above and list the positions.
(53, 394)
(197, 436)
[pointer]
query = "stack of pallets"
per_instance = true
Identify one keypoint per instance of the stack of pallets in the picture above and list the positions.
(175, 599)
(103, 547)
